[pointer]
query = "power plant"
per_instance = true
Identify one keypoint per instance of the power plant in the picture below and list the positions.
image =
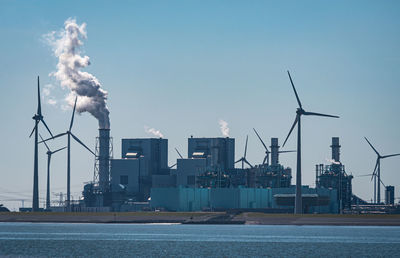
(205, 180)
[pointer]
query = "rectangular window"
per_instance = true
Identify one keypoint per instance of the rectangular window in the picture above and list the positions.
(123, 180)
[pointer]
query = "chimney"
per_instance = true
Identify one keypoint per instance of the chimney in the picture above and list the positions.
(274, 151)
(335, 149)
(104, 159)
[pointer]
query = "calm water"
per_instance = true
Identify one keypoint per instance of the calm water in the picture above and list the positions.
(127, 240)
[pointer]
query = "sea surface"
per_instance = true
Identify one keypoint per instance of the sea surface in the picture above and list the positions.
(155, 240)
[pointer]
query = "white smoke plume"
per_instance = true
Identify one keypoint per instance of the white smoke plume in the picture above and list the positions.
(47, 96)
(333, 161)
(224, 128)
(91, 97)
(153, 131)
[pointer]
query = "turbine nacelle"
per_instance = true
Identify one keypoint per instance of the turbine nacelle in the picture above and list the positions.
(37, 117)
(300, 111)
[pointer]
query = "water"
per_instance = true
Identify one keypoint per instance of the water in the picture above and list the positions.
(146, 240)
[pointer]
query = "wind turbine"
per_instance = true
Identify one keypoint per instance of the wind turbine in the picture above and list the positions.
(179, 156)
(178, 153)
(377, 170)
(38, 117)
(49, 153)
(267, 152)
(299, 112)
(69, 134)
(243, 159)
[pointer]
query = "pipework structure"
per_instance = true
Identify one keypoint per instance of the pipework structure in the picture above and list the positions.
(104, 152)
(334, 176)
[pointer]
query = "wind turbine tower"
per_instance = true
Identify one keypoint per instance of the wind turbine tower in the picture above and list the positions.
(69, 134)
(38, 117)
(49, 153)
(299, 112)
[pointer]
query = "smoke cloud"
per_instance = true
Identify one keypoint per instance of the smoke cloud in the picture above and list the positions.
(66, 45)
(333, 161)
(153, 131)
(47, 96)
(224, 128)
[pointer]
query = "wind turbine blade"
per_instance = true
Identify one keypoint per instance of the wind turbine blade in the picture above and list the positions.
(33, 130)
(265, 158)
(291, 129)
(377, 153)
(44, 143)
(73, 114)
(79, 141)
(295, 92)
(365, 175)
(46, 126)
(374, 172)
(247, 163)
(265, 146)
(382, 183)
(286, 151)
(391, 155)
(39, 109)
(59, 150)
(54, 137)
(245, 148)
(318, 114)
(238, 160)
(179, 153)
(172, 165)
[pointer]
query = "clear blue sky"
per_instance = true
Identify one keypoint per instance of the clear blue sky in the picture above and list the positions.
(180, 66)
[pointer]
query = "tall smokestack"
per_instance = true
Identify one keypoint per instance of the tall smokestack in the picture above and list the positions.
(335, 149)
(104, 159)
(274, 151)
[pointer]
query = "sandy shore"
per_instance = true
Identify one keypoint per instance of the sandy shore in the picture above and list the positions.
(203, 218)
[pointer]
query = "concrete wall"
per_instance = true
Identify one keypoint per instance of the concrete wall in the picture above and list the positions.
(240, 198)
(189, 167)
(180, 198)
(125, 167)
(196, 199)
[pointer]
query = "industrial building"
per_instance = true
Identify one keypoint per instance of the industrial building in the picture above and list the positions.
(334, 176)
(389, 195)
(205, 180)
(277, 200)
(219, 152)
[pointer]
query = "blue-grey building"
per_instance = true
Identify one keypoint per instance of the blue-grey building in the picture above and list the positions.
(141, 159)
(315, 200)
(219, 152)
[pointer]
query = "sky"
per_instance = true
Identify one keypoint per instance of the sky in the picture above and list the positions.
(181, 66)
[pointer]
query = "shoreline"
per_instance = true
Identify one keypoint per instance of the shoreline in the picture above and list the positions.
(203, 218)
